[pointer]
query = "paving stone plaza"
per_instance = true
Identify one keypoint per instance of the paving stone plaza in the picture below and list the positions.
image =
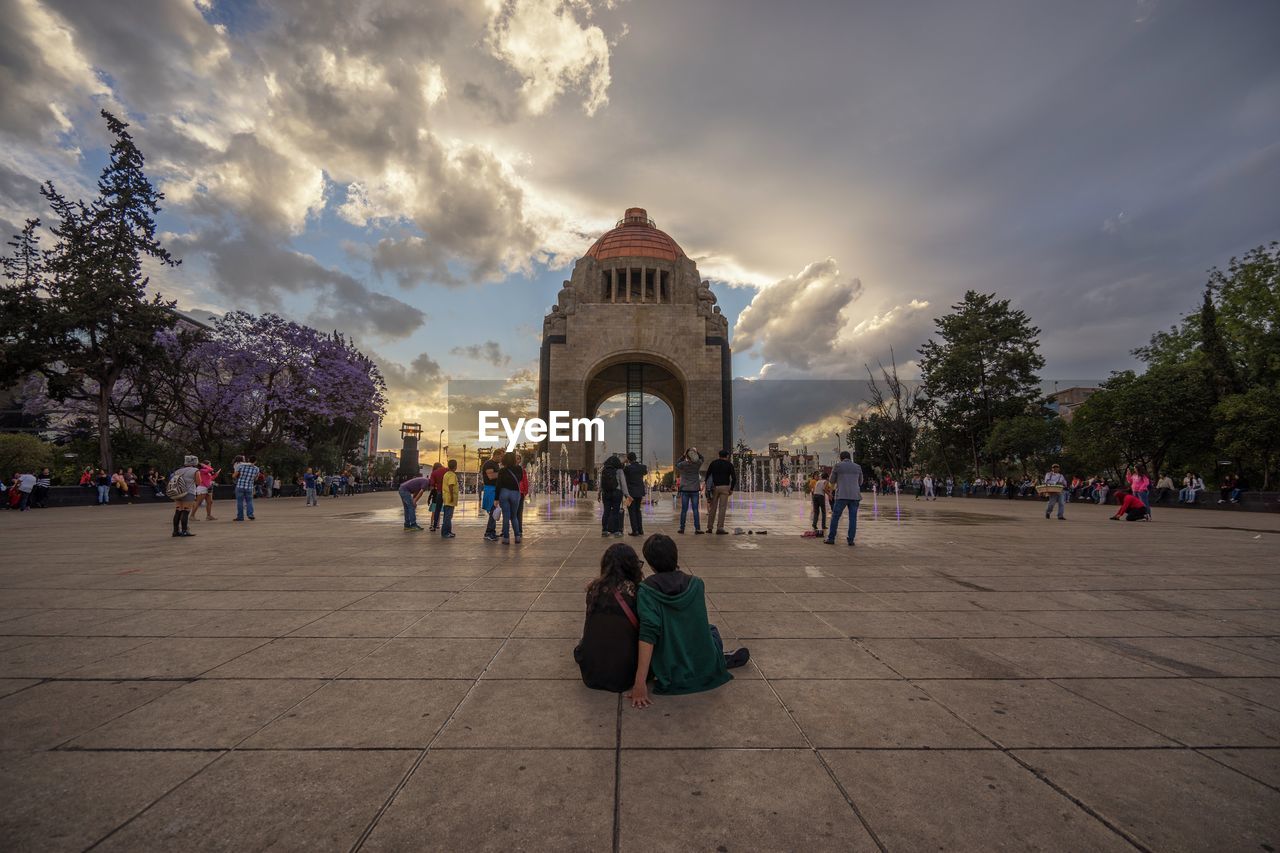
(970, 677)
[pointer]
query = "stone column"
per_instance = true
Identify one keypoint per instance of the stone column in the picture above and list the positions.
(628, 284)
(644, 283)
(613, 285)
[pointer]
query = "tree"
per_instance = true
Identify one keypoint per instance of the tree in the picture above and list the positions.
(1249, 427)
(983, 367)
(25, 453)
(887, 435)
(79, 313)
(1027, 441)
(1134, 419)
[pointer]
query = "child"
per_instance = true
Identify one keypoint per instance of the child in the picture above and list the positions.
(607, 653)
(448, 499)
(683, 648)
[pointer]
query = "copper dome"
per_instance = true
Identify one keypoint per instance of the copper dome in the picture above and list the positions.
(635, 236)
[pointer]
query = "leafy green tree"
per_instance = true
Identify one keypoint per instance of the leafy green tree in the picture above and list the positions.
(1025, 441)
(1249, 427)
(79, 313)
(1144, 418)
(983, 367)
(20, 452)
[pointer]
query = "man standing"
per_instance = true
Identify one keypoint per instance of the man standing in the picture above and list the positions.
(928, 488)
(448, 499)
(613, 487)
(489, 492)
(722, 480)
(410, 492)
(688, 473)
(846, 480)
(1055, 478)
(634, 472)
(434, 491)
(246, 480)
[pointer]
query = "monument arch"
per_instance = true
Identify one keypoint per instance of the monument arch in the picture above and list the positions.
(636, 318)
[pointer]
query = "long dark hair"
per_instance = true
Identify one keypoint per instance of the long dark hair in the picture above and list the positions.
(619, 570)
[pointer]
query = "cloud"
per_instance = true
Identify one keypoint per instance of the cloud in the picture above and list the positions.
(807, 324)
(489, 351)
(795, 320)
(252, 269)
(552, 52)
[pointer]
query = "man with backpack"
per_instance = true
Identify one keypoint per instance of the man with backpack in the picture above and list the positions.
(612, 488)
(246, 480)
(181, 488)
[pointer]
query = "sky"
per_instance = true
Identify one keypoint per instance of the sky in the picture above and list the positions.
(421, 174)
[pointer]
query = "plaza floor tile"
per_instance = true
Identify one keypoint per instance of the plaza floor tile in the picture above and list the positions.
(874, 714)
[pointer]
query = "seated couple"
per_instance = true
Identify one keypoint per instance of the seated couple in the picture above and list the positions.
(640, 629)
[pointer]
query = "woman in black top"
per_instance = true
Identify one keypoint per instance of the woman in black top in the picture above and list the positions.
(609, 647)
(508, 484)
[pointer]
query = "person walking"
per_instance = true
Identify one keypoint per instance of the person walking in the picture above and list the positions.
(722, 481)
(688, 473)
(613, 487)
(448, 499)
(846, 483)
(508, 483)
(1055, 478)
(634, 473)
(818, 488)
(246, 480)
(410, 492)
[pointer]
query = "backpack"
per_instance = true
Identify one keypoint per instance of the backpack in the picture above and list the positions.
(175, 489)
(609, 479)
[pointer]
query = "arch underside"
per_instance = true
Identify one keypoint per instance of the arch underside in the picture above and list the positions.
(610, 379)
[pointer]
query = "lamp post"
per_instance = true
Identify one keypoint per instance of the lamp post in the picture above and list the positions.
(440, 445)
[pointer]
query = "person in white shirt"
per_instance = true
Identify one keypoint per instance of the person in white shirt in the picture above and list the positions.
(1055, 478)
(928, 488)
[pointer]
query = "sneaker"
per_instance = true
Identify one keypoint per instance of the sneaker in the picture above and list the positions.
(490, 537)
(506, 541)
(828, 541)
(698, 532)
(617, 534)
(176, 533)
(737, 658)
(681, 530)
(448, 535)
(251, 518)
(519, 539)
(852, 544)
(605, 533)
(237, 519)
(722, 533)
(186, 533)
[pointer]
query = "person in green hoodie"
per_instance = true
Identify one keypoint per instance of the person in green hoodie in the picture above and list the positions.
(677, 642)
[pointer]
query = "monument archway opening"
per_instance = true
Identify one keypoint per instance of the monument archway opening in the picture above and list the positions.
(634, 319)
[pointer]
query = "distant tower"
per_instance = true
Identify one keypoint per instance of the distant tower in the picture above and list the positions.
(409, 455)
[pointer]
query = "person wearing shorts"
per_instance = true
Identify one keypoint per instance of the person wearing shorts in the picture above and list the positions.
(205, 478)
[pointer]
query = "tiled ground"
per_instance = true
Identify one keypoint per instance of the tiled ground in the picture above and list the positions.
(971, 677)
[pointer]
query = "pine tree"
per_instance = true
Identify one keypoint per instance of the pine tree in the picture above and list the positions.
(83, 314)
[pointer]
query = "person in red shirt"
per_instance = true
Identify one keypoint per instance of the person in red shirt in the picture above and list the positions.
(436, 493)
(1132, 509)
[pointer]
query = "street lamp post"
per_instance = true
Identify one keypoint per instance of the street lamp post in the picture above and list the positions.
(440, 445)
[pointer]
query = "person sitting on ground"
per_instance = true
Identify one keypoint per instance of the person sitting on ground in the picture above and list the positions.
(677, 641)
(606, 655)
(1132, 509)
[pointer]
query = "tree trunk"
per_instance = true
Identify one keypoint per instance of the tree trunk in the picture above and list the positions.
(104, 425)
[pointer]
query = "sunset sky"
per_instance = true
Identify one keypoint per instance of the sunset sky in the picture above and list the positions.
(421, 174)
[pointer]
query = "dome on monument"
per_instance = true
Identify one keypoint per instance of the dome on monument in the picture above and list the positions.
(635, 236)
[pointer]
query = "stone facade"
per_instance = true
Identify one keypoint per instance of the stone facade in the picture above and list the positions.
(618, 309)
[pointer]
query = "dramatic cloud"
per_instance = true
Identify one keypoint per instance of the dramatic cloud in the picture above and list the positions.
(252, 270)
(489, 351)
(544, 43)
